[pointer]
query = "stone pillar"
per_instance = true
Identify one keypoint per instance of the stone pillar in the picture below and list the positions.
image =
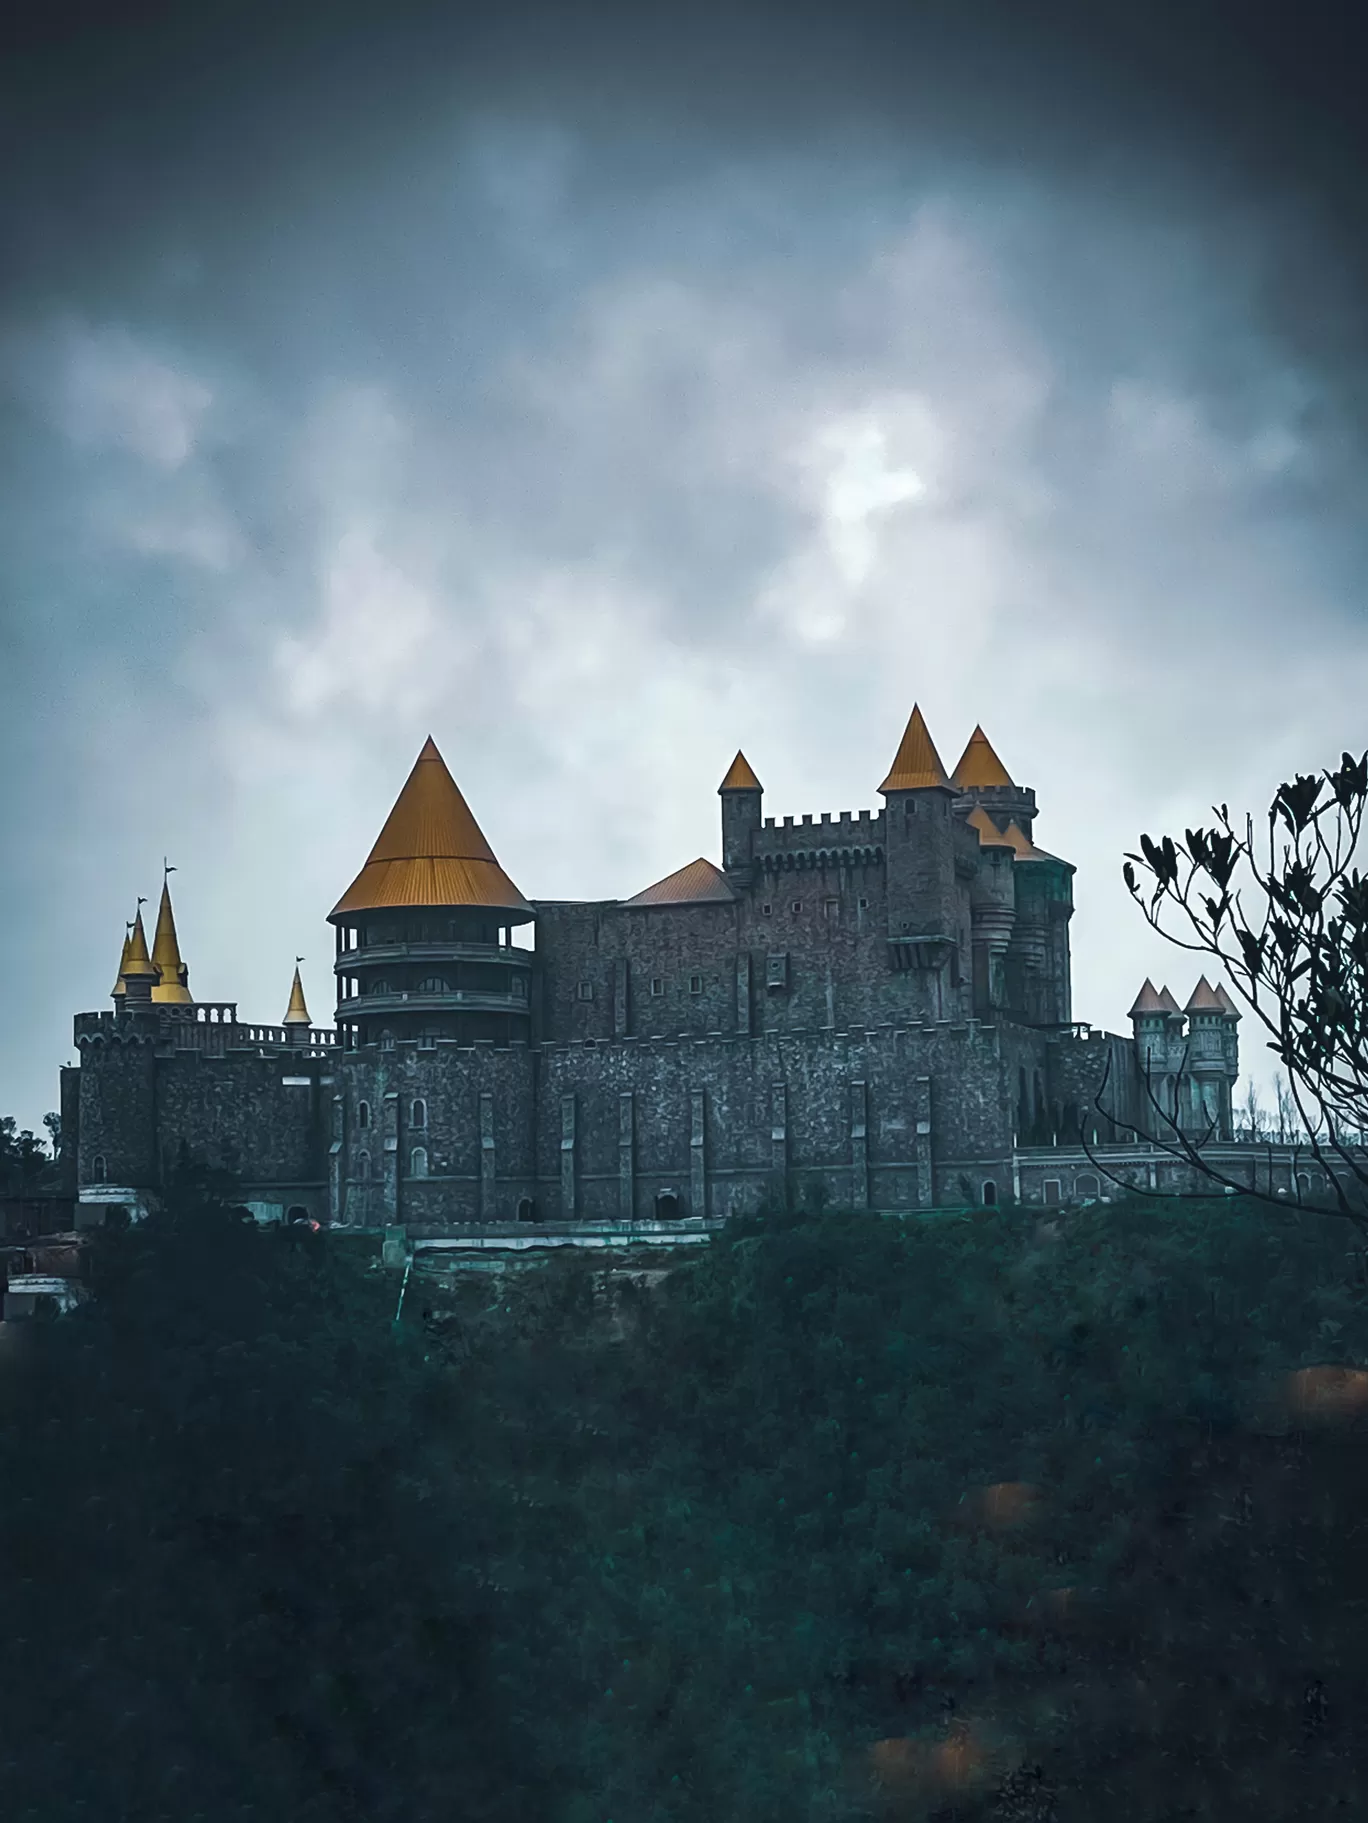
(622, 1004)
(567, 1158)
(698, 1164)
(925, 1181)
(337, 1164)
(389, 1190)
(743, 996)
(488, 1159)
(859, 1147)
(779, 1129)
(626, 1157)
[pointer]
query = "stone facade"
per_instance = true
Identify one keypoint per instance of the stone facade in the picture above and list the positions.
(873, 1008)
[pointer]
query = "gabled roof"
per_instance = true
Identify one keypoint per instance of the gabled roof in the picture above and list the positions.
(172, 975)
(297, 1013)
(740, 777)
(989, 835)
(1228, 1006)
(979, 767)
(700, 883)
(1203, 999)
(917, 765)
(1146, 1001)
(431, 851)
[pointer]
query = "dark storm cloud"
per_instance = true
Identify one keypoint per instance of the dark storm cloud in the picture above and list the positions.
(602, 387)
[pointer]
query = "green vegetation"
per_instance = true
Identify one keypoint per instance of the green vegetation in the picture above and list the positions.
(849, 1517)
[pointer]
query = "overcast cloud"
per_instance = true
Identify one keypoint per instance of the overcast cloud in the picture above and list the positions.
(597, 452)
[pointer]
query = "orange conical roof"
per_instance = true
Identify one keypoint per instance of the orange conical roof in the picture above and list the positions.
(1146, 1001)
(979, 767)
(986, 829)
(917, 765)
(1203, 999)
(740, 777)
(118, 988)
(172, 975)
(137, 961)
(697, 883)
(297, 1013)
(431, 851)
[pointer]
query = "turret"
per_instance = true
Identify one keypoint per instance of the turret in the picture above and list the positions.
(424, 932)
(173, 978)
(983, 781)
(138, 971)
(1040, 957)
(992, 903)
(297, 1022)
(742, 798)
(1211, 1081)
(118, 990)
(919, 862)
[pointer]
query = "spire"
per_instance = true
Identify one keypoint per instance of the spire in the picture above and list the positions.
(979, 767)
(1203, 999)
(1228, 1006)
(740, 777)
(917, 766)
(431, 851)
(1169, 1004)
(172, 975)
(136, 959)
(297, 1013)
(118, 989)
(1147, 1001)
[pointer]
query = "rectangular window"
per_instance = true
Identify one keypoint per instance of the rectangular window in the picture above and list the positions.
(765, 910)
(863, 904)
(585, 991)
(1051, 1189)
(657, 986)
(831, 908)
(695, 984)
(797, 905)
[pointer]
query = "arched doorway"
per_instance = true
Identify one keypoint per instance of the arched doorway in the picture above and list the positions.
(667, 1206)
(527, 1209)
(989, 1194)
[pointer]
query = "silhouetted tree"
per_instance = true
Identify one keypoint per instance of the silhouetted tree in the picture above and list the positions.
(1286, 918)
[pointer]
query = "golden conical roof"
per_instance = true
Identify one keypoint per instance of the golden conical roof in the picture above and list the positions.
(136, 959)
(979, 767)
(172, 975)
(917, 765)
(118, 987)
(740, 777)
(986, 829)
(431, 851)
(296, 1013)
(698, 883)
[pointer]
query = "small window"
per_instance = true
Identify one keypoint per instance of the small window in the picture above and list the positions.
(418, 1113)
(432, 984)
(989, 1194)
(766, 911)
(519, 988)
(378, 985)
(831, 908)
(657, 986)
(695, 984)
(387, 1041)
(863, 904)
(418, 1162)
(363, 1165)
(797, 905)
(585, 990)
(99, 1167)
(363, 1114)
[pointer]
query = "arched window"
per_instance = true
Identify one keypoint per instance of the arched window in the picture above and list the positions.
(99, 1167)
(1085, 1185)
(363, 1114)
(432, 984)
(377, 985)
(667, 1206)
(363, 1166)
(418, 1162)
(418, 1113)
(527, 1209)
(387, 1041)
(989, 1193)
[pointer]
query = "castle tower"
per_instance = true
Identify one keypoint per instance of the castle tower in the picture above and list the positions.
(424, 932)
(138, 972)
(992, 909)
(173, 978)
(983, 781)
(118, 990)
(919, 862)
(1210, 1081)
(742, 797)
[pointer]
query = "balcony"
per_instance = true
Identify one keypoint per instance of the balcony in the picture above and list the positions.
(459, 1000)
(351, 960)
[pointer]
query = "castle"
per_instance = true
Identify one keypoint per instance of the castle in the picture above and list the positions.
(873, 1008)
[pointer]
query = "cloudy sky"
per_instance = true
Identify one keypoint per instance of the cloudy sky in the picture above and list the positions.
(600, 389)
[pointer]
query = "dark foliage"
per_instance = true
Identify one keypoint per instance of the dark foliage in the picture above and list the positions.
(846, 1518)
